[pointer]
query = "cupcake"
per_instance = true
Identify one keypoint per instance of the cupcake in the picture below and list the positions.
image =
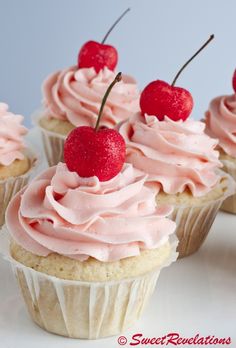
(181, 161)
(72, 97)
(87, 253)
(221, 124)
(16, 160)
(88, 241)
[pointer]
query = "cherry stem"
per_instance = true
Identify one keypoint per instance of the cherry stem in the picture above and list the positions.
(117, 79)
(113, 25)
(184, 66)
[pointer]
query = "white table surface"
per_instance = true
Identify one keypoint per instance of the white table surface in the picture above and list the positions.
(194, 295)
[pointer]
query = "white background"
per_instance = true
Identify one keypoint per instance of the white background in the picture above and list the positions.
(154, 40)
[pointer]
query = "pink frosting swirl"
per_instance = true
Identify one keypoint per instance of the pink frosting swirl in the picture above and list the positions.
(75, 95)
(81, 217)
(175, 155)
(11, 136)
(221, 122)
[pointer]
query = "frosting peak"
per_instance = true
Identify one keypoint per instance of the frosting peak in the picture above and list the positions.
(11, 136)
(82, 217)
(75, 95)
(221, 122)
(175, 155)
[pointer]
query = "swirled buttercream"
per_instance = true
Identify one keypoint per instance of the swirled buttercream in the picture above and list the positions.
(175, 155)
(75, 95)
(221, 122)
(81, 217)
(11, 136)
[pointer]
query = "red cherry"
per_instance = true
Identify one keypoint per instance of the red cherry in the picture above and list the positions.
(161, 99)
(97, 55)
(95, 153)
(234, 81)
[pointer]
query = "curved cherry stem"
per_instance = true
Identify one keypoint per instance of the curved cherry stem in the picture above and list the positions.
(113, 25)
(117, 79)
(190, 59)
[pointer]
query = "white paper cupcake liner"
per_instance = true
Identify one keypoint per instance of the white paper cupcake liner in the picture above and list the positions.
(10, 186)
(78, 309)
(229, 204)
(53, 143)
(194, 222)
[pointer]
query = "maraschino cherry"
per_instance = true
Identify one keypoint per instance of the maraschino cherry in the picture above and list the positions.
(95, 151)
(98, 55)
(234, 81)
(162, 99)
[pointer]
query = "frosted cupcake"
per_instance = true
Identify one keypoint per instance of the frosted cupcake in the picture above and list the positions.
(181, 163)
(180, 159)
(72, 97)
(88, 241)
(16, 160)
(221, 124)
(88, 253)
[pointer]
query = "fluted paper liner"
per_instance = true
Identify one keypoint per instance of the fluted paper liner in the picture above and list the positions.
(53, 146)
(229, 204)
(83, 309)
(194, 222)
(10, 186)
(53, 143)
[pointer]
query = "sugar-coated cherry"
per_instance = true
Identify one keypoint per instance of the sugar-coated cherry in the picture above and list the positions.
(95, 151)
(234, 81)
(161, 99)
(98, 153)
(98, 55)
